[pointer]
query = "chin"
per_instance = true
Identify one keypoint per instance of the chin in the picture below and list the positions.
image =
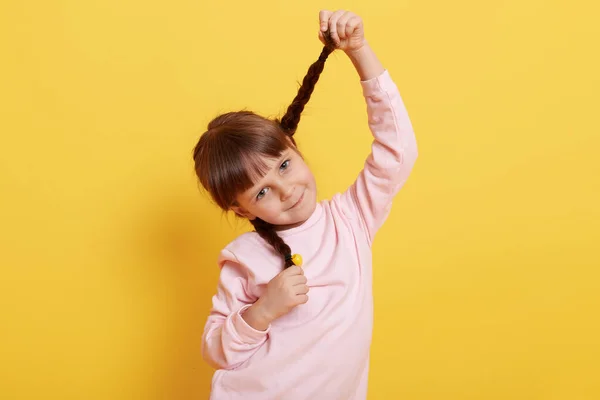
(308, 206)
(302, 213)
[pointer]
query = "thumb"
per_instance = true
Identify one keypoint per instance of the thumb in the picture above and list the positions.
(324, 16)
(321, 37)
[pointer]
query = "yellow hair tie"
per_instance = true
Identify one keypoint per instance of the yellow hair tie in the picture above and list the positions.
(296, 259)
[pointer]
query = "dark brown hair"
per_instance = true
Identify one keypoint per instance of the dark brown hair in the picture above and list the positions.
(228, 156)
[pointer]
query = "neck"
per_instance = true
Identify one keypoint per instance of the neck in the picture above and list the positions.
(280, 228)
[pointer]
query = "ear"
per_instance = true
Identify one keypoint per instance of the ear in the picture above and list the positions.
(242, 212)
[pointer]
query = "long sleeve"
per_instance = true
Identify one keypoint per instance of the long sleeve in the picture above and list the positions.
(228, 340)
(393, 154)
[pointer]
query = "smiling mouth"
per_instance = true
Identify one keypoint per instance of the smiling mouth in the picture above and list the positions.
(298, 202)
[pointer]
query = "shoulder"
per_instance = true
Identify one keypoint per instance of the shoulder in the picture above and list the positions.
(343, 205)
(239, 246)
(248, 252)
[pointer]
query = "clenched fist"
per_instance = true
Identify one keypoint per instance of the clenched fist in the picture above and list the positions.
(345, 27)
(284, 292)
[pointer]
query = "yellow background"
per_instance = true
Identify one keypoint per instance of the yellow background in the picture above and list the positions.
(487, 282)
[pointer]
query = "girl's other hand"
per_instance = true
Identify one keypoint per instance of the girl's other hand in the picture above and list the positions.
(284, 292)
(345, 27)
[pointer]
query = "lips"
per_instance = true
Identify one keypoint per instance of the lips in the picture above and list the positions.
(299, 201)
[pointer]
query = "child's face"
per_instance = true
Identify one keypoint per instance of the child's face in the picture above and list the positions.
(286, 196)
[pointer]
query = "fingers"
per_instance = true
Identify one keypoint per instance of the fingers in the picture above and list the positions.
(302, 299)
(341, 25)
(333, 25)
(298, 280)
(298, 284)
(324, 16)
(351, 25)
(301, 289)
(293, 270)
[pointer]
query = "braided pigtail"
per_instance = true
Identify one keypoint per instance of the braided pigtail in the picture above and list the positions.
(289, 124)
(268, 233)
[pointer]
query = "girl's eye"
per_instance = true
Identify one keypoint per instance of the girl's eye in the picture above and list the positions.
(261, 194)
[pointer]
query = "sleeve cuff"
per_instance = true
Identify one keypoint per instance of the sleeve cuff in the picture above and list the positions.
(245, 332)
(377, 84)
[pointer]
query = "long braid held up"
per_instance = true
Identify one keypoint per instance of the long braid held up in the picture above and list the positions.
(289, 124)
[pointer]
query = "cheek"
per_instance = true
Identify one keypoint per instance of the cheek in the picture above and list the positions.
(269, 208)
(305, 176)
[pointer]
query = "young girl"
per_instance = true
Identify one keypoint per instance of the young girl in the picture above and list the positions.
(267, 338)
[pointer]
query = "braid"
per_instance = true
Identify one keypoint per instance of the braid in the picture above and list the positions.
(289, 122)
(267, 232)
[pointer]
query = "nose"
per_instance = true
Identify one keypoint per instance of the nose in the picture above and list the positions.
(287, 192)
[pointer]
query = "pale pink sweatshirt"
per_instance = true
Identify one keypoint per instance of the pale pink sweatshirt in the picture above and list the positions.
(319, 350)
